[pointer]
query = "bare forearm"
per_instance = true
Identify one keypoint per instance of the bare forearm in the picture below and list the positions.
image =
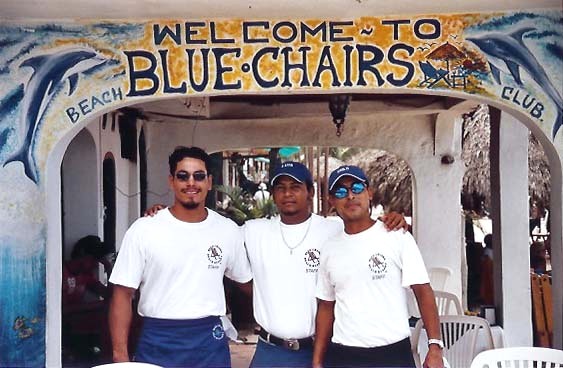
(323, 331)
(429, 313)
(120, 315)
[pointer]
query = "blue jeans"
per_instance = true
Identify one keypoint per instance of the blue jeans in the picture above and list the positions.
(184, 343)
(267, 355)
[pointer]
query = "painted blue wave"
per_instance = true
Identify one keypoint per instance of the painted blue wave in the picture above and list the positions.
(555, 50)
(10, 102)
(511, 20)
(8, 42)
(22, 310)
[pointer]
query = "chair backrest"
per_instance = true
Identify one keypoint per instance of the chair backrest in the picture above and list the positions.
(459, 334)
(428, 69)
(438, 277)
(447, 303)
(519, 357)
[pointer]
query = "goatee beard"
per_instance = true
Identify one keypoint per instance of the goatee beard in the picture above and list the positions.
(190, 205)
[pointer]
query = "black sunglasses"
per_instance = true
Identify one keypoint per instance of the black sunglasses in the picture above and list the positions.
(185, 176)
(342, 191)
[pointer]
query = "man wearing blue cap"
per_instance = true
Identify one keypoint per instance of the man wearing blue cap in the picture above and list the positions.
(284, 254)
(363, 276)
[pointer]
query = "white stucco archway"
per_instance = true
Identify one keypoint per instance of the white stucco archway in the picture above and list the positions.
(382, 130)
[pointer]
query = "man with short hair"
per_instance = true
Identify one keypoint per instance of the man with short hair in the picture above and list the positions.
(284, 254)
(364, 273)
(177, 259)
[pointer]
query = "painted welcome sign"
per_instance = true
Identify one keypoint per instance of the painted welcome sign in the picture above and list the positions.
(52, 76)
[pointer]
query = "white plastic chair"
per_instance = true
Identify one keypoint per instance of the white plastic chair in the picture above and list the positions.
(525, 357)
(438, 277)
(459, 334)
(127, 365)
(447, 303)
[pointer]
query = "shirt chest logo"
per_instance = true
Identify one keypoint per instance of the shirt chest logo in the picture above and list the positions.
(378, 265)
(215, 256)
(312, 259)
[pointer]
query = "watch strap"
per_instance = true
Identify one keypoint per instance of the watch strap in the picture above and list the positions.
(438, 342)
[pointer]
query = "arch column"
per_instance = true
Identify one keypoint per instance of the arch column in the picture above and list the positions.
(436, 199)
(509, 198)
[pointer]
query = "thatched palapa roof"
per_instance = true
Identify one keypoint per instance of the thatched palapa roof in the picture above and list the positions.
(390, 176)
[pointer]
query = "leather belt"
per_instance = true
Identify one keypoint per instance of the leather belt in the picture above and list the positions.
(290, 344)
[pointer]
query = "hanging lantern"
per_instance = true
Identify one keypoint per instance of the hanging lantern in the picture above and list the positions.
(338, 104)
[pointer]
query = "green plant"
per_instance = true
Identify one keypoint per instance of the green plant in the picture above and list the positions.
(242, 207)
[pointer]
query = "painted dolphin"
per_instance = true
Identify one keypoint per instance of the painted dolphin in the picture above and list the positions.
(49, 71)
(508, 53)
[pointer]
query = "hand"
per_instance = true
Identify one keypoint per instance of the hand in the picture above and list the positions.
(394, 221)
(434, 358)
(153, 210)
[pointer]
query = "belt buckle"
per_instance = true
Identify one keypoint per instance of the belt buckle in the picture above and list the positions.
(291, 344)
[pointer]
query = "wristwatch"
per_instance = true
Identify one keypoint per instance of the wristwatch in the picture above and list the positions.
(437, 342)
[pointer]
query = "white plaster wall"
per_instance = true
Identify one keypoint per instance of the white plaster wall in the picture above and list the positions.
(126, 181)
(438, 186)
(160, 140)
(80, 190)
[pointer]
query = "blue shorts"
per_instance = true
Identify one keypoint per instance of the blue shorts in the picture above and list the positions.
(267, 355)
(184, 343)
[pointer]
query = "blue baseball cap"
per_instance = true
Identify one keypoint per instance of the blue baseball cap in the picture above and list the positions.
(295, 170)
(346, 170)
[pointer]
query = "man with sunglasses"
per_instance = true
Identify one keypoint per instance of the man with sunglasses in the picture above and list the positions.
(284, 254)
(361, 287)
(177, 260)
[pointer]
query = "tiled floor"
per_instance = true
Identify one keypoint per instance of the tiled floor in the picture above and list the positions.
(241, 354)
(242, 350)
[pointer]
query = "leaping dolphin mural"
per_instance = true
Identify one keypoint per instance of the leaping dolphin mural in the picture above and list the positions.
(508, 53)
(49, 71)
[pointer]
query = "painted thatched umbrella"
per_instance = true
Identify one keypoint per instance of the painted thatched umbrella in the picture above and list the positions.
(446, 51)
(390, 176)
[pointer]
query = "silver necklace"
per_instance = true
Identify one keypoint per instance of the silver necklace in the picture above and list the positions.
(301, 241)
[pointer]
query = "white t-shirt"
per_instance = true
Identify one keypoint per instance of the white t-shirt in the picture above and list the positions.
(367, 274)
(285, 280)
(179, 266)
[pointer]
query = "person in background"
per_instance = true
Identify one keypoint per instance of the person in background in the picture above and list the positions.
(177, 260)
(487, 290)
(85, 301)
(537, 258)
(262, 194)
(80, 274)
(363, 274)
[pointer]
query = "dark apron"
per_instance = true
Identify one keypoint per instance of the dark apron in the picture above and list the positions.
(184, 343)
